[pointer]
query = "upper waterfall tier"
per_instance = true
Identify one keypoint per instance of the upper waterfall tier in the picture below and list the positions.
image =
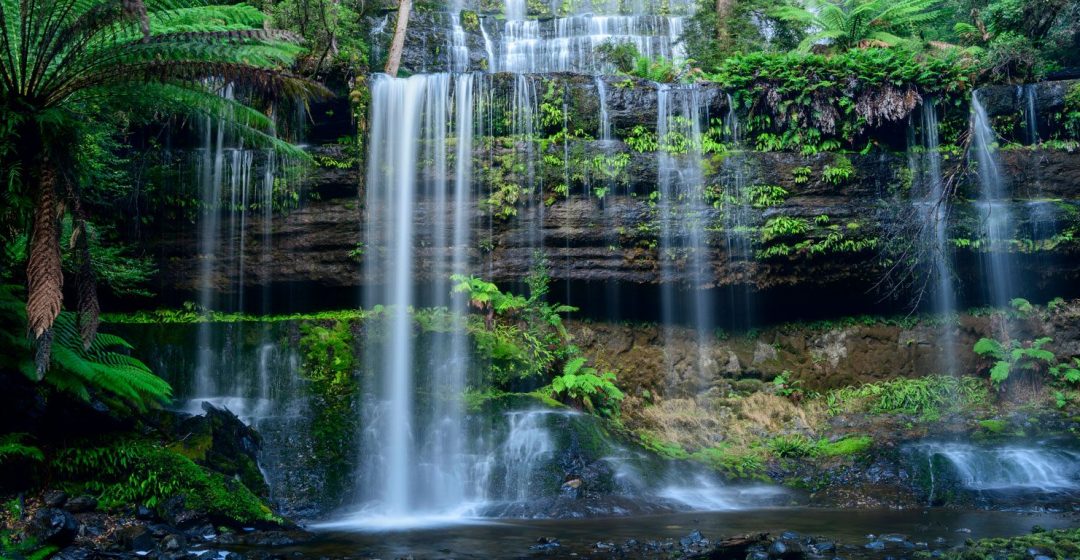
(570, 44)
(522, 40)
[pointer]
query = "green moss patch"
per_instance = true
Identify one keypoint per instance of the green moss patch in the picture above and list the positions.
(133, 472)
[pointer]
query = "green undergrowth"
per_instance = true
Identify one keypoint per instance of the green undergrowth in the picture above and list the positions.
(929, 396)
(137, 472)
(1064, 543)
(189, 313)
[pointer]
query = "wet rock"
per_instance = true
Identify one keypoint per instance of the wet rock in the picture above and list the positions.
(203, 532)
(877, 546)
(144, 513)
(53, 526)
(81, 504)
(545, 543)
(75, 553)
(786, 549)
(824, 547)
(175, 513)
(173, 543)
(135, 537)
(693, 538)
(54, 498)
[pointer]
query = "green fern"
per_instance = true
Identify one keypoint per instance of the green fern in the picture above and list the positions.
(11, 446)
(102, 365)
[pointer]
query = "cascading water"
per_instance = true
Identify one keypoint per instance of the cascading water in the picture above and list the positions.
(931, 201)
(569, 44)
(683, 215)
(414, 460)
(738, 218)
(995, 208)
(1042, 468)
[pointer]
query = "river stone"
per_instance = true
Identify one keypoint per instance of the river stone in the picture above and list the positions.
(81, 504)
(54, 526)
(786, 549)
(54, 498)
(135, 537)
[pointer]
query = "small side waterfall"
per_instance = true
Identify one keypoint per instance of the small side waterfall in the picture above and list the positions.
(682, 216)
(994, 206)
(931, 201)
(738, 214)
(1041, 469)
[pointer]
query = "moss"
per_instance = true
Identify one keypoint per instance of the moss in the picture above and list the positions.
(665, 449)
(846, 447)
(135, 472)
(994, 426)
(732, 463)
(329, 362)
(1054, 544)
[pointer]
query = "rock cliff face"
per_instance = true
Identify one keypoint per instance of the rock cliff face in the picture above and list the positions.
(593, 204)
(821, 356)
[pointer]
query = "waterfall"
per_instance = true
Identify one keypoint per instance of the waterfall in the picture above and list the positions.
(415, 460)
(683, 216)
(1040, 468)
(994, 205)
(605, 118)
(738, 214)
(459, 51)
(1031, 116)
(229, 192)
(568, 44)
(932, 208)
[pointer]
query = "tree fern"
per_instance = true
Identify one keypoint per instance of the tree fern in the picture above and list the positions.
(848, 24)
(65, 62)
(78, 369)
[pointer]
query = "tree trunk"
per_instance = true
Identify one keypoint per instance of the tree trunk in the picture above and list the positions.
(394, 60)
(723, 14)
(44, 276)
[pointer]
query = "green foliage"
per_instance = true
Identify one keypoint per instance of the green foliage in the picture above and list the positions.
(133, 472)
(642, 139)
(767, 196)
(1013, 356)
(12, 447)
(103, 365)
(783, 226)
(846, 446)
(784, 386)
(596, 390)
(850, 24)
(666, 449)
(927, 396)
(839, 172)
(523, 337)
(328, 364)
(813, 103)
(737, 464)
(1064, 543)
(791, 446)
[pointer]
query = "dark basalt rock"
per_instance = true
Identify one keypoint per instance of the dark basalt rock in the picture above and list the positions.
(54, 526)
(81, 504)
(136, 538)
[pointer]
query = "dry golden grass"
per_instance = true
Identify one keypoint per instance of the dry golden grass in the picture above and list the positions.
(700, 423)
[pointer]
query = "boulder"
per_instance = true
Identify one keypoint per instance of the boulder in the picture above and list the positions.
(53, 526)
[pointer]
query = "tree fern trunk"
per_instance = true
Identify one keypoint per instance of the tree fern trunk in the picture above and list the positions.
(44, 277)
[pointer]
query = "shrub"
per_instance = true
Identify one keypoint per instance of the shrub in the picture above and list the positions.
(586, 384)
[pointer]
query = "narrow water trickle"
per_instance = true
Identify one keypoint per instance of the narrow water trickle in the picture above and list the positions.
(684, 253)
(931, 200)
(995, 209)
